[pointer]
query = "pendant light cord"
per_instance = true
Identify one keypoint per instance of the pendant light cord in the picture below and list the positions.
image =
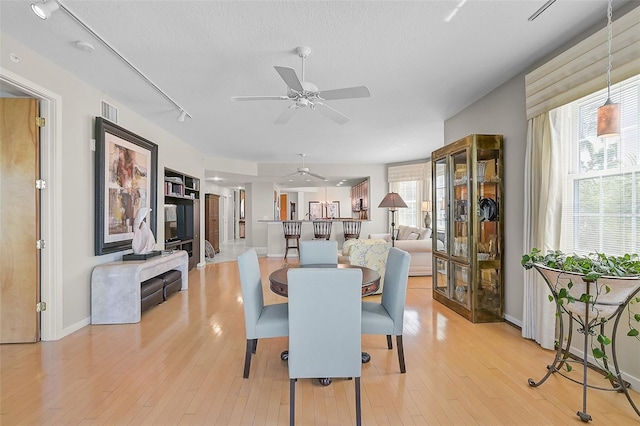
(610, 36)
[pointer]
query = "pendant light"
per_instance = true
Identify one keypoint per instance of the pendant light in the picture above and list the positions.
(609, 113)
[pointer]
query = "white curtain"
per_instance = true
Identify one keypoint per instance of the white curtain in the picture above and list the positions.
(542, 219)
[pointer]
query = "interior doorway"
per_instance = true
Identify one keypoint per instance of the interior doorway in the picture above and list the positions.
(12, 85)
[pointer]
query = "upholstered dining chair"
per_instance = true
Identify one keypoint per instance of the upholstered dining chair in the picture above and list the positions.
(260, 321)
(315, 252)
(324, 327)
(387, 316)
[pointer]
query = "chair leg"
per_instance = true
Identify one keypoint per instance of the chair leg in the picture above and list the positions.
(292, 402)
(247, 357)
(403, 368)
(255, 345)
(389, 342)
(358, 403)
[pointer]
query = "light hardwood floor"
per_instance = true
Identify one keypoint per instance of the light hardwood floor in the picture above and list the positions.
(182, 364)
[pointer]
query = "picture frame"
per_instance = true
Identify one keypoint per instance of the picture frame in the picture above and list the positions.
(315, 210)
(126, 179)
(333, 210)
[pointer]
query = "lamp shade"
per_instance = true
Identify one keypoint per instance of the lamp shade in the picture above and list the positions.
(393, 201)
(426, 206)
(608, 120)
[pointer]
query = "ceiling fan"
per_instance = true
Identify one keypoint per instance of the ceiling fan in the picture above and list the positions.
(304, 171)
(305, 94)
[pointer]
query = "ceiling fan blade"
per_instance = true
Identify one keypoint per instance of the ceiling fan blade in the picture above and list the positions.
(286, 115)
(331, 113)
(318, 176)
(260, 98)
(346, 93)
(289, 76)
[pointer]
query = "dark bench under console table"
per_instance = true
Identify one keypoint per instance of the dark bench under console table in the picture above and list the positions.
(120, 291)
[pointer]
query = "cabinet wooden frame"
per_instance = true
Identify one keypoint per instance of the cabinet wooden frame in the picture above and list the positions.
(126, 179)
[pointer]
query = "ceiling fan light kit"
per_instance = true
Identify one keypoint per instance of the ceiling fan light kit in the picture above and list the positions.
(305, 94)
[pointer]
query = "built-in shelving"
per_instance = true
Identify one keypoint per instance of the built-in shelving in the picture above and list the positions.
(182, 214)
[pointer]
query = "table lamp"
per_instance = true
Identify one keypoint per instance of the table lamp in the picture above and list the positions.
(393, 201)
(426, 208)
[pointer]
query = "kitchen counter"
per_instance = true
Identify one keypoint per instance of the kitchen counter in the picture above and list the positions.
(275, 236)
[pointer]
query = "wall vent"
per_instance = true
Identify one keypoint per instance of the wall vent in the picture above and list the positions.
(109, 112)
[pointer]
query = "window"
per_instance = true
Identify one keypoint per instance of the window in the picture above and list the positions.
(413, 183)
(409, 191)
(601, 191)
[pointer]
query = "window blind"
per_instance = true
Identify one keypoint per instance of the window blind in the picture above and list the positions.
(581, 70)
(408, 172)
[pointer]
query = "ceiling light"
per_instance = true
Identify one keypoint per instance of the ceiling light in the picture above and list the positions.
(182, 115)
(45, 9)
(609, 113)
(85, 46)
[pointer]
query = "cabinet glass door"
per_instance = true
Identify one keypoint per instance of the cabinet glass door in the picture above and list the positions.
(460, 282)
(441, 277)
(460, 206)
(488, 191)
(441, 200)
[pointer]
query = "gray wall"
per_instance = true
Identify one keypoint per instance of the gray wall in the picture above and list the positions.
(503, 112)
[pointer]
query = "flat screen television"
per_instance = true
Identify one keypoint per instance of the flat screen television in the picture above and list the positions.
(178, 222)
(170, 222)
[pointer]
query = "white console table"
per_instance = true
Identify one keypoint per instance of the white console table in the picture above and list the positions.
(115, 286)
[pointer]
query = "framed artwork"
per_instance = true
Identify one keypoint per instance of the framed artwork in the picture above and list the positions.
(315, 210)
(333, 209)
(125, 181)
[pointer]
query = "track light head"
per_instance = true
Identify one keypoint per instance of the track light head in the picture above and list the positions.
(45, 9)
(182, 115)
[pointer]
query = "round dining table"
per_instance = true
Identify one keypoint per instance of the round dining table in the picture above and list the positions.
(370, 278)
(370, 284)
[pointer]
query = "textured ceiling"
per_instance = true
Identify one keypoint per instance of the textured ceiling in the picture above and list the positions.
(420, 69)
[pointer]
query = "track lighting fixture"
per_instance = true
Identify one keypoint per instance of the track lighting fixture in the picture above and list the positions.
(45, 9)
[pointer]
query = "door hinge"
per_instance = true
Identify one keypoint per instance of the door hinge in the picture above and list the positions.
(41, 306)
(40, 121)
(41, 184)
(40, 244)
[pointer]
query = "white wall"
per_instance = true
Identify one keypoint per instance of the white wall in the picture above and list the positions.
(80, 104)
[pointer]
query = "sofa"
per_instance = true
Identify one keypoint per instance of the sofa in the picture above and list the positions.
(417, 242)
(371, 253)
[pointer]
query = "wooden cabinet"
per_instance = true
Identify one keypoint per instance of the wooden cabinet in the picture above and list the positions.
(468, 227)
(212, 220)
(182, 214)
(360, 199)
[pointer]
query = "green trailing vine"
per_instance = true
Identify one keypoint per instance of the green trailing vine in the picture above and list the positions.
(593, 267)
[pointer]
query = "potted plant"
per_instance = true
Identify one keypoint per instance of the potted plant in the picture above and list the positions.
(592, 290)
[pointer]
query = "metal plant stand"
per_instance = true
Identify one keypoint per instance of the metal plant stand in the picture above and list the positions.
(589, 315)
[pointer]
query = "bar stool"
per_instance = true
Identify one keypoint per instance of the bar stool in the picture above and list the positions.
(321, 229)
(292, 230)
(351, 229)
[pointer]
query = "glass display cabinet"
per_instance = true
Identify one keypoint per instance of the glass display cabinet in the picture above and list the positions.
(468, 229)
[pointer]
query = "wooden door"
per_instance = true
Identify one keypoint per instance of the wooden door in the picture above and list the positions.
(195, 255)
(20, 221)
(212, 220)
(283, 206)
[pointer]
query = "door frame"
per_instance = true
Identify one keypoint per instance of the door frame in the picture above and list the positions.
(51, 320)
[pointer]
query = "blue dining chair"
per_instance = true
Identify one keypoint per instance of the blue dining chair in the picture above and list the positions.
(324, 327)
(260, 320)
(387, 316)
(317, 252)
